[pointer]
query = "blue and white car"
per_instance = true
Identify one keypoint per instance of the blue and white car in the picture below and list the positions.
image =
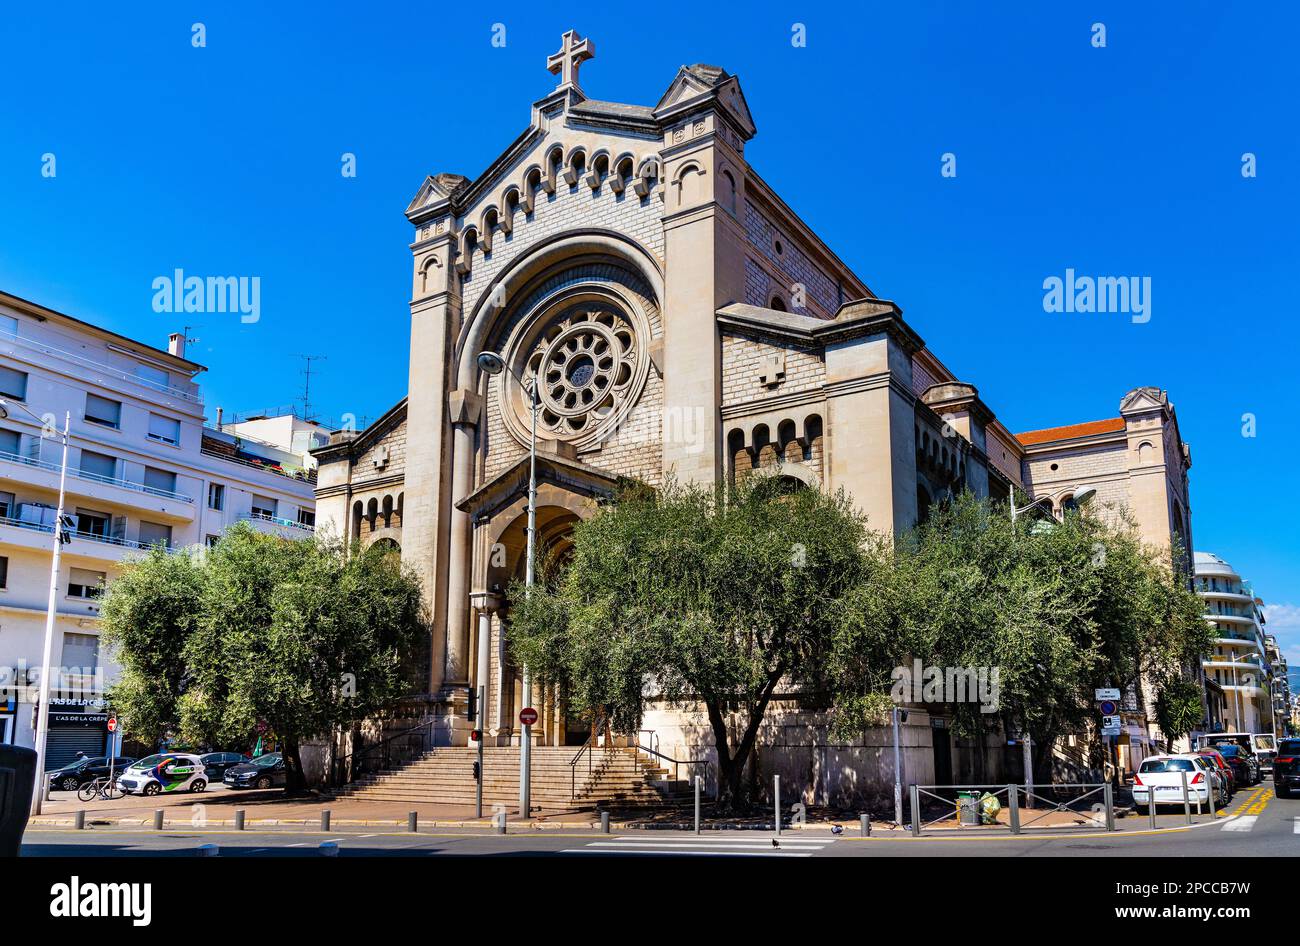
(167, 772)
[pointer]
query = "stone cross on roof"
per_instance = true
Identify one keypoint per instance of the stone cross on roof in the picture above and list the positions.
(574, 51)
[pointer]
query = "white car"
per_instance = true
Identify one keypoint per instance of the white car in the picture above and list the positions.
(165, 772)
(1159, 781)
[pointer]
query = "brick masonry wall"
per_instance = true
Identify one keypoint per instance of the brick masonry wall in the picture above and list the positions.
(364, 469)
(743, 362)
(569, 208)
(788, 267)
(1103, 466)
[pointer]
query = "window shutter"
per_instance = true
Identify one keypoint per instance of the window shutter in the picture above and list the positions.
(164, 428)
(102, 410)
(13, 383)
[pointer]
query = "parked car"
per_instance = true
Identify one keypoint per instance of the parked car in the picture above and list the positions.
(1225, 771)
(1159, 781)
(1286, 768)
(1234, 750)
(1244, 773)
(266, 771)
(164, 772)
(215, 764)
(77, 773)
(1251, 744)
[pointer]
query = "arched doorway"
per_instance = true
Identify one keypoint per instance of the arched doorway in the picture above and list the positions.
(567, 493)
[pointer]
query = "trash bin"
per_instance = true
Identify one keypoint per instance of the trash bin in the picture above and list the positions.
(17, 778)
(968, 808)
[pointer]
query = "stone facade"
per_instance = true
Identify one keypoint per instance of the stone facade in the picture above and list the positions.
(679, 319)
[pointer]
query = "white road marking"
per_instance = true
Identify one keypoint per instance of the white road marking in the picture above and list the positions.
(1243, 823)
(730, 846)
(683, 852)
(1296, 826)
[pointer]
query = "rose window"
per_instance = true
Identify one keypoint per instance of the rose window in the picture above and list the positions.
(585, 363)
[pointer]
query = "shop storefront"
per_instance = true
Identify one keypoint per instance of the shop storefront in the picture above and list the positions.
(77, 725)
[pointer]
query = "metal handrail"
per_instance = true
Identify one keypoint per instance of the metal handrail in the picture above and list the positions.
(120, 373)
(667, 758)
(601, 722)
(425, 735)
(95, 477)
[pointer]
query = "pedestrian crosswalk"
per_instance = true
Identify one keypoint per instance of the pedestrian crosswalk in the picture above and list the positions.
(1249, 811)
(726, 844)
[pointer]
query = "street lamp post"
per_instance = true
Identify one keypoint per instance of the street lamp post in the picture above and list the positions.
(493, 364)
(43, 707)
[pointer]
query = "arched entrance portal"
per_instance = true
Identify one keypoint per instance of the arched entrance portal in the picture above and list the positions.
(567, 492)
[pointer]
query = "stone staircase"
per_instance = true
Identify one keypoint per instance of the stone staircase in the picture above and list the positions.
(619, 777)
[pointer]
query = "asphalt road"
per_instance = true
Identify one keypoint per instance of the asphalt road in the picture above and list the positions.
(1258, 825)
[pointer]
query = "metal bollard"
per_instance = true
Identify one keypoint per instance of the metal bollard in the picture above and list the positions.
(1187, 802)
(80, 820)
(158, 819)
(604, 822)
(865, 822)
(413, 821)
(916, 811)
(1013, 808)
(208, 850)
(776, 794)
(1107, 794)
(698, 780)
(1213, 800)
(500, 819)
(325, 819)
(1151, 808)
(239, 819)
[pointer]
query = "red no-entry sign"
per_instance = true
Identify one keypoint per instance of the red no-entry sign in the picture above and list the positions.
(528, 716)
(112, 724)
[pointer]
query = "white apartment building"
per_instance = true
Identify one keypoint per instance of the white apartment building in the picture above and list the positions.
(1240, 663)
(142, 469)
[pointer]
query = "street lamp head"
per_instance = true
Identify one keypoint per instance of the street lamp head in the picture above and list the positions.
(489, 362)
(4, 408)
(1085, 495)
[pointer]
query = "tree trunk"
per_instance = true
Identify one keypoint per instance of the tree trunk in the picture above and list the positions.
(731, 767)
(295, 782)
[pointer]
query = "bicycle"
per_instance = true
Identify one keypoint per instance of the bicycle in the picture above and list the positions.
(102, 787)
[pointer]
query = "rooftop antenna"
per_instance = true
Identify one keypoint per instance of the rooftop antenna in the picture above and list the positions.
(306, 384)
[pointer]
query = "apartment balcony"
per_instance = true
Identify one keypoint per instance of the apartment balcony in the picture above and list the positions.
(37, 536)
(1241, 640)
(273, 524)
(191, 399)
(43, 474)
(249, 461)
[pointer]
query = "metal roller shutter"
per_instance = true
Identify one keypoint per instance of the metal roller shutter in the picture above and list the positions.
(62, 745)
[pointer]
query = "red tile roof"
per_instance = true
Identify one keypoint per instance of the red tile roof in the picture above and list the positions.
(1071, 431)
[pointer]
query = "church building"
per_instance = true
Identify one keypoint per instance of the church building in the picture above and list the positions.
(677, 318)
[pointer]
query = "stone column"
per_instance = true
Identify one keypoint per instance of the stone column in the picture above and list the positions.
(463, 411)
(485, 605)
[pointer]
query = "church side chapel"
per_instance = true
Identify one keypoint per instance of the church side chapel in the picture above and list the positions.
(677, 318)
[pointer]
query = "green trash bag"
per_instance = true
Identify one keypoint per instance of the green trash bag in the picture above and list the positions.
(989, 808)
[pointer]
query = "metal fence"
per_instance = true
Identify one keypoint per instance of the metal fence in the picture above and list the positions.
(1064, 807)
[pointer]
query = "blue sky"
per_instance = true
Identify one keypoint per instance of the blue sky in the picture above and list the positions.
(1117, 161)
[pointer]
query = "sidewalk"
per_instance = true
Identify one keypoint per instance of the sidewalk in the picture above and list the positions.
(263, 809)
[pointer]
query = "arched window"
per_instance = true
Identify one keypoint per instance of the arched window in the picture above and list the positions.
(729, 193)
(778, 304)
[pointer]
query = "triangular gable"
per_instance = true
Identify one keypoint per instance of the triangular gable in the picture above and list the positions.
(698, 83)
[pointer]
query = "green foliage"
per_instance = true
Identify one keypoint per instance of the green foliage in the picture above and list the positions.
(293, 634)
(1057, 609)
(1179, 707)
(693, 594)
